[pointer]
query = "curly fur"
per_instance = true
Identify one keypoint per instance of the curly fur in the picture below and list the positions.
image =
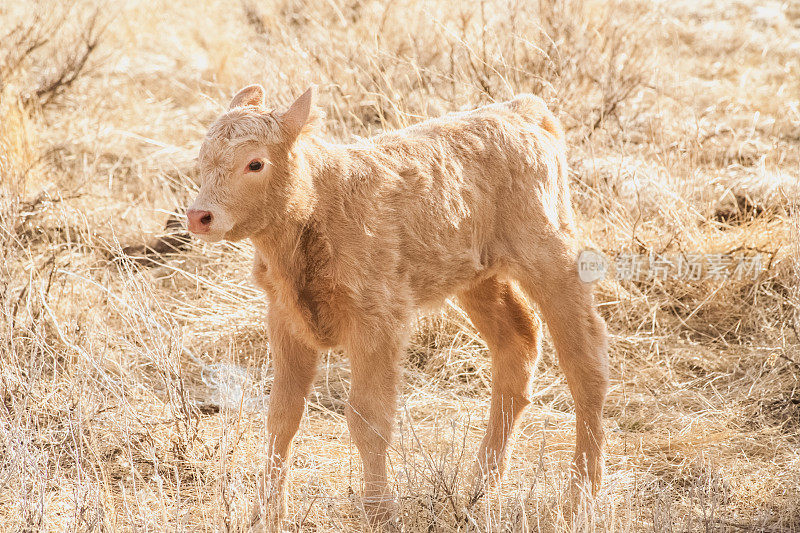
(352, 239)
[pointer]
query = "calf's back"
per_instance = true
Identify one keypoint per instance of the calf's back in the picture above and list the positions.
(430, 208)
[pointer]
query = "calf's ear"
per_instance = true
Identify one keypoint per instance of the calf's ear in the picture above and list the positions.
(296, 117)
(250, 95)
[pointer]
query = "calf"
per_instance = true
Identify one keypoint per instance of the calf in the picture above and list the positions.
(352, 239)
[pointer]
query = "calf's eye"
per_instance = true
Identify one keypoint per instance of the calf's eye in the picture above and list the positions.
(255, 165)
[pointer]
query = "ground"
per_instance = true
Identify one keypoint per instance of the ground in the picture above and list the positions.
(132, 391)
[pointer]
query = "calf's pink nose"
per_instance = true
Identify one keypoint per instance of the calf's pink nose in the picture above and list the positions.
(199, 220)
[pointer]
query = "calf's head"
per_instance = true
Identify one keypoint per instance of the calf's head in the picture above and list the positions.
(244, 167)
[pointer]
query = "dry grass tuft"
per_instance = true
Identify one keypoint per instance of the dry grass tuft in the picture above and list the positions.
(132, 393)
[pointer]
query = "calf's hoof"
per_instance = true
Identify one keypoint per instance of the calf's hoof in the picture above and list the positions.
(579, 502)
(264, 520)
(381, 513)
(485, 476)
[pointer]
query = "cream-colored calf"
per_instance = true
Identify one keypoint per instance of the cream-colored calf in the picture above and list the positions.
(352, 239)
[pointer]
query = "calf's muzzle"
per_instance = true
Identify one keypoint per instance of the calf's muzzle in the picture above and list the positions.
(199, 221)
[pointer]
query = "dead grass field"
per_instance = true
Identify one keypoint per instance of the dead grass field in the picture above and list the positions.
(132, 392)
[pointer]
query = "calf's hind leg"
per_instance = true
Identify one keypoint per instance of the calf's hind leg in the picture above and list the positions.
(512, 331)
(580, 339)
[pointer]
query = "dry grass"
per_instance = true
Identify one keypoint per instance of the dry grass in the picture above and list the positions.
(132, 394)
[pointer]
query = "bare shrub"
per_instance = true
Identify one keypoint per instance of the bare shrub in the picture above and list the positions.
(583, 58)
(36, 69)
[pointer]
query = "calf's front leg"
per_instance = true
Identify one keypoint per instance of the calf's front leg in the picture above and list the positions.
(370, 416)
(295, 365)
